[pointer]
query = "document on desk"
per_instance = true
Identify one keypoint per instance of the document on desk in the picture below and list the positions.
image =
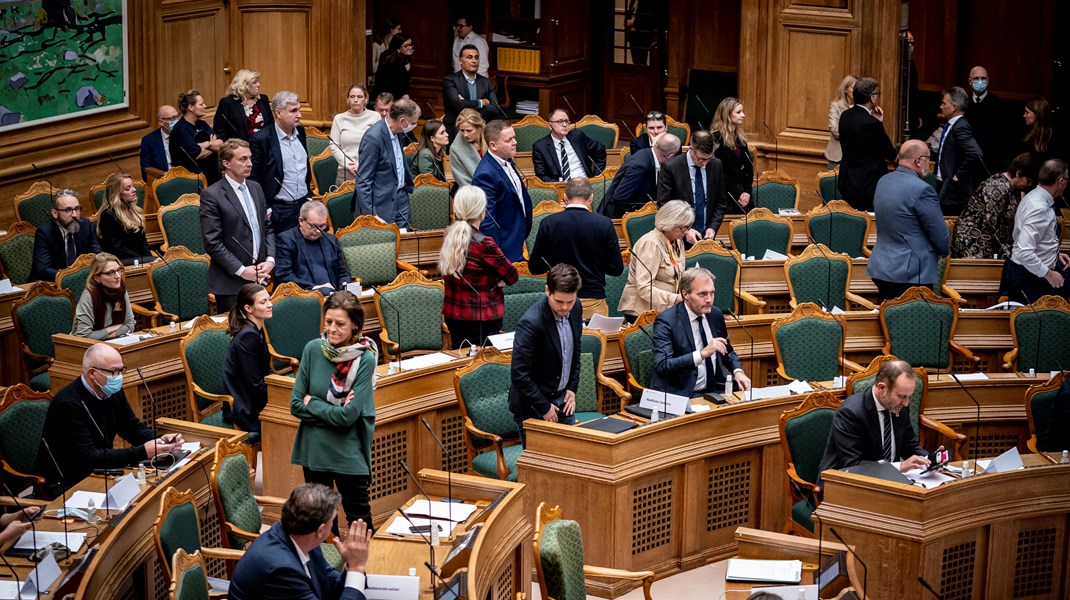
(606, 324)
(502, 341)
(119, 496)
(40, 579)
(126, 340)
(44, 538)
(426, 360)
(454, 511)
(766, 571)
(929, 480)
(403, 526)
(771, 391)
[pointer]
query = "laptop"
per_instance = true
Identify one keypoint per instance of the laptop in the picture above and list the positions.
(879, 470)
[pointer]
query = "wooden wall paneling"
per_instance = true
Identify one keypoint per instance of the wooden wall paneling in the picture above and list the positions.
(569, 32)
(274, 39)
(989, 28)
(193, 38)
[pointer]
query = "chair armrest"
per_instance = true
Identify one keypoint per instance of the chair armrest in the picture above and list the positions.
(38, 357)
(213, 397)
(293, 362)
(7, 468)
(7, 501)
(142, 311)
(239, 532)
(1032, 444)
(964, 351)
(269, 500)
(390, 348)
(867, 251)
(497, 439)
(958, 439)
(223, 553)
(404, 266)
(1010, 359)
(951, 293)
(750, 298)
(852, 365)
(860, 301)
(646, 576)
(614, 385)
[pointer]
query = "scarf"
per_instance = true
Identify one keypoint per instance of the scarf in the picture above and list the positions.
(102, 294)
(344, 358)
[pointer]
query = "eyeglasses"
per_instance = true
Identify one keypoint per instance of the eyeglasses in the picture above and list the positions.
(70, 210)
(655, 116)
(561, 122)
(114, 373)
(321, 227)
(112, 273)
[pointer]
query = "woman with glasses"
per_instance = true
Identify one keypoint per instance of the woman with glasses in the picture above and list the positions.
(104, 311)
(248, 360)
(121, 227)
(393, 75)
(657, 262)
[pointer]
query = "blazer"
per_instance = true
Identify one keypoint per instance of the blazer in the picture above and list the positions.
(582, 239)
(185, 148)
(152, 152)
(392, 77)
(856, 434)
(653, 274)
(866, 149)
(991, 121)
(536, 365)
(959, 156)
(738, 171)
(244, 369)
(124, 244)
(508, 219)
(228, 239)
(674, 366)
(464, 158)
(911, 232)
(271, 570)
(292, 264)
(546, 155)
(50, 253)
(454, 85)
(231, 122)
(639, 143)
(424, 162)
(267, 162)
(674, 183)
(377, 181)
(635, 184)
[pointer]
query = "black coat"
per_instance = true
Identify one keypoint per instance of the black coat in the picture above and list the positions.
(674, 183)
(866, 150)
(545, 155)
(248, 362)
(230, 120)
(49, 252)
(584, 240)
(536, 364)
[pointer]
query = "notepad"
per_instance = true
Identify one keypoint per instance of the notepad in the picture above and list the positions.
(765, 571)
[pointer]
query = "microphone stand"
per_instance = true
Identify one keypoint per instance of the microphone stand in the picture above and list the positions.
(977, 423)
(430, 544)
(255, 265)
(751, 337)
(345, 158)
(51, 188)
(925, 584)
(430, 518)
(107, 504)
(865, 569)
(482, 338)
(200, 171)
(152, 403)
(33, 530)
(63, 492)
(449, 469)
(650, 300)
(178, 281)
(398, 313)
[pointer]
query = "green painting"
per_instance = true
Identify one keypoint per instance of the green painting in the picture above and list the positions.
(61, 59)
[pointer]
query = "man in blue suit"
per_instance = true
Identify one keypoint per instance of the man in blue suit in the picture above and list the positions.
(508, 219)
(692, 354)
(384, 180)
(280, 161)
(636, 182)
(286, 562)
(309, 256)
(63, 238)
(911, 232)
(155, 152)
(566, 153)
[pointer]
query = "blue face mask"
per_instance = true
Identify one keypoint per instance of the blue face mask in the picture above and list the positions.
(980, 86)
(171, 124)
(113, 385)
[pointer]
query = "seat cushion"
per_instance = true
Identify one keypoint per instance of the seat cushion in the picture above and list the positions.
(486, 463)
(41, 382)
(583, 417)
(802, 514)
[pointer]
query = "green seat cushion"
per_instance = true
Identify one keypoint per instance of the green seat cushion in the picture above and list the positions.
(236, 496)
(486, 463)
(215, 420)
(23, 423)
(583, 417)
(802, 514)
(41, 382)
(180, 530)
(561, 556)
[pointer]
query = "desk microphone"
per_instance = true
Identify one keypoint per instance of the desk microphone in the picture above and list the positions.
(749, 336)
(178, 280)
(33, 529)
(865, 569)
(152, 403)
(432, 526)
(63, 489)
(14, 574)
(925, 584)
(447, 586)
(650, 299)
(940, 320)
(396, 312)
(569, 104)
(449, 468)
(103, 472)
(977, 423)
(51, 192)
(742, 255)
(415, 529)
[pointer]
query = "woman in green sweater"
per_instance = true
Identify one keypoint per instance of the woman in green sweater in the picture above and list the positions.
(332, 397)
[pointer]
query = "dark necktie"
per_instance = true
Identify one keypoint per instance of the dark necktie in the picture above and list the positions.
(887, 436)
(708, 361)
(700, 201)
(72, 250)
(564, 163)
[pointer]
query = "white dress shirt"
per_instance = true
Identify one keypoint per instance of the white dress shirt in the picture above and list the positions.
(575, 165)
(480, 43)
(510, 172)
(1036, 247)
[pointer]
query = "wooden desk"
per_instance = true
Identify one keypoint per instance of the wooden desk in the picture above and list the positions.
(765, 545)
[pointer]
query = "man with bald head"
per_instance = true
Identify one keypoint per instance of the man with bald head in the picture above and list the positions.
(86, 416)
(911, 232)
(155, 152)
(991, 120)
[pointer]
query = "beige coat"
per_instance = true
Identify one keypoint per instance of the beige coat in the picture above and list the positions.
(652, 250)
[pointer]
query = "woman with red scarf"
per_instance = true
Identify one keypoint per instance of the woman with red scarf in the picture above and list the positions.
(103, 311)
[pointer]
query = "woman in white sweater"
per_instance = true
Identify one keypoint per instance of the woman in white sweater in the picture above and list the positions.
(843, 101)
(348, 129)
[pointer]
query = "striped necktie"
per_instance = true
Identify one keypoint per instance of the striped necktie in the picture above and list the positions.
(887, 436)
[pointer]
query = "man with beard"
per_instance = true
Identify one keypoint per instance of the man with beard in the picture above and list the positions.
(62, 238)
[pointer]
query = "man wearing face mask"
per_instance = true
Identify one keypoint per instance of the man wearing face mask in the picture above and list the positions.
(63, 238)
(988, 117)
(384, 180)
(155, 152)
(84, 418)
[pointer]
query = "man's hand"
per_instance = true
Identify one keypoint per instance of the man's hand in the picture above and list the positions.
(1064, 259)
(266, 267)
(914, 462)
(878, 113)
(249, 273)
(744, 199)
(710, 234)
(1054, 278)
(570, 403)
(692, 236)
(551, 415)
(717, 345)
(354, 549)
(159, 446)
(742, 379)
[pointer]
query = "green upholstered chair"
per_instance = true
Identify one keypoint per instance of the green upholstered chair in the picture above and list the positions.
(625, 154)
(237, 508)
(544, 191)
(804, 432)
(529, 130)
(637, 352)
(809, 344)
(941, 288)
(190, 581)
(680, 130)
(411, 316)
(1039, 411)
(340, 206)
(841, 228)
(637, 223)
(919, 327)
(178, 527)
(527, 290)
(540, 212)
(725, 265)
(593, 398)
(615, 286)
(600, 185)
(180, 223)
(759, 231)
(930, 177)
(558, 549)
(429, 204)
(96, 193)
(600, 131)
(775, 190)
(821, 276)
(178, 284)
(324, 171)
(297, 318)
(370, 248)
(204, 351)
(176, 182)
(16, 252)
(35, 204)
(45, 310)
(316, 141)
(22, 419)
(1034, 329)
(73, 278)
(493, 440)
(828, 185)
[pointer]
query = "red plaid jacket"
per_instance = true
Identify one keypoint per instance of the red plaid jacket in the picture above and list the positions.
(486, 266)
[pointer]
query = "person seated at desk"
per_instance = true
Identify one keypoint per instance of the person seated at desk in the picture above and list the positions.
(692, 354)
(875, 424)
(121, 228)
(248, 360)
(309, 256)
(104, 311)
(286, 561)
(431, 150)
(61, 239)
(84, 418)
(566, 153)
(13, 525)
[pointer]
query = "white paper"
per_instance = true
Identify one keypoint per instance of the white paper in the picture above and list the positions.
(742, 569)
(41, 578)
(700, 408)
(1010, 304)
(502, 341)
(773, 255)
(126, 340)
(80, 499)
(6, 287)
(191, 447)
(839, 381)
(971, 377)
(606, 324)
(789, 592)
(836, 310)
(929, 480)
(426, 360)
(122, 492)
(354, 288)
(800, 387)
(401, 525)
(392, 587)
(1008, 461)
(788, 211)
(455, 511)
(771, 391)
(73, 540)
(664, 402)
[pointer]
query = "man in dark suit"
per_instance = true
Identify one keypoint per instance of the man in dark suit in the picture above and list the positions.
(468, 89)
(698, 179)
(578, 237)
(287, 562)
(692, 354)
(155, 152)
(655, 126)
(991, 120)
(566, 153)
(280, 162)
(546, 354)
(238, 235)
(866, 146)
(508, 219)
(959, 153)
(384, 178)
(875, 424)
(636, 182)
(309, 256)
(63, 238)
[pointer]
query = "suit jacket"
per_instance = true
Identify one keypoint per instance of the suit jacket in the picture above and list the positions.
(464, 158)
(508, 219)
(536, 365)
(267, 162)
(248, 362)
(228, 239)
(674, 366)
(293, 264)
(911, 232)
(49, 252)
(377, 180)
(674, 183)
(639, 143)
(866, 148)
(454, 85)
(584, 240)
(856, 434)
(990, 121)
(271, 570)
(546, 155)
(231, 122)
(738, 170)
(152, 152)
(959, 156)
(635, 184)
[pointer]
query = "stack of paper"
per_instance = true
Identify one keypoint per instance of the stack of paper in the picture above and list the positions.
(767, 571)
(453, 511)
(527, 107)
(425, 360)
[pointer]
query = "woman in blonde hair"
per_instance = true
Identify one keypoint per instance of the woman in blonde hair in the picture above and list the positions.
(244, 110)
(468, 146)
(658, 262)
(121, 227)
(844, 99)
(731, 149)
(103, 311)
(474, 271)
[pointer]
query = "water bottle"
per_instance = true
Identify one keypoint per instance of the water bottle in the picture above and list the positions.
(141, 473)
(174, 327)
(91, 513)
(434, 533)
(965, 468)
(1065, 460)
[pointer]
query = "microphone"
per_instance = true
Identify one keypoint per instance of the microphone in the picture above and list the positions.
(232, 127)
(152, 403)
(569, 104)
(345, 158)
(776, 146)
(449, 468)
(703, 104)
(926, 300)
(33, 535)
(63, 489)
(828, 280)
(433, 111)
(398, 313)
(925, 584)
(413, 528)
(749, 336)
(119, 170)
(51, 188)
(977, 423)
(178, 280)
(626, 130)
(636, 103)
(107, 505)
(742, 257)
(432, 527)
(865, 569)
(445, 584)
